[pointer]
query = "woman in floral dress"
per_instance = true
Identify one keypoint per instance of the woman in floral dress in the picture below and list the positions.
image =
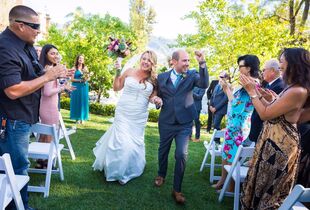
(238, 116)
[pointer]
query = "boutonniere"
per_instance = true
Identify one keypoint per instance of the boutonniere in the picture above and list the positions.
(184, 75)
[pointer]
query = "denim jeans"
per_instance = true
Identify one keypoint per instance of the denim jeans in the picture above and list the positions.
(16, 142)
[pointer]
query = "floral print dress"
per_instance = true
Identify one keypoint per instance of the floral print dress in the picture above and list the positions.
(238, 123)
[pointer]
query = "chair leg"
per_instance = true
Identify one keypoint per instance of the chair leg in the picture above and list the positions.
(48, 177)
(237, 193)
(204, 161)
(212, 166)
(60, 167)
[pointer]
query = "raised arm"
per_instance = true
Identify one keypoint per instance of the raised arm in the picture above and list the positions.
(24, 88)
(290, 101)
(201, 80)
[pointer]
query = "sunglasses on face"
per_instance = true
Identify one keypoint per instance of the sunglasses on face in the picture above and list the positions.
(35, 26)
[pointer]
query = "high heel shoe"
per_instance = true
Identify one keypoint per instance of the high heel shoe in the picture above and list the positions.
(217, 186)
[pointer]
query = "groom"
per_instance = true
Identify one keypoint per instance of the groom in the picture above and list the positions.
(177, 114)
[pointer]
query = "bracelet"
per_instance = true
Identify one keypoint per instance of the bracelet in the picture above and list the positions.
(254, 96)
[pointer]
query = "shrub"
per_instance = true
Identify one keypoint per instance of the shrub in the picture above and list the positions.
(153, 115)
(65, 103)
(94, 108)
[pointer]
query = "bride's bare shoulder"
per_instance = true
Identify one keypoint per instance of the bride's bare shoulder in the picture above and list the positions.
(128, 72)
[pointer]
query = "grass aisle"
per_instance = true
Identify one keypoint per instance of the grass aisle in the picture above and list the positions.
(84, 188)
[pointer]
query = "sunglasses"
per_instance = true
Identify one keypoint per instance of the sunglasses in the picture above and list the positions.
(240, 66)
(35, 26)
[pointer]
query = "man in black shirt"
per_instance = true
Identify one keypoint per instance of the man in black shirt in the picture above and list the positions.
(21, 77)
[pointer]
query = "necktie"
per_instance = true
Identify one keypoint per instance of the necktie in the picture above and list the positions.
(177, 81)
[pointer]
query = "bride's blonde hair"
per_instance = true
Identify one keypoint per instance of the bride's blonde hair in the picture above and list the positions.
(152, 74)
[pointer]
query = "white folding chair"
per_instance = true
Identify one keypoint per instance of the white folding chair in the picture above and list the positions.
(214, 152)
(237, 172)
(64, 133)
(298, 194)
(50, 151)
(10, 184)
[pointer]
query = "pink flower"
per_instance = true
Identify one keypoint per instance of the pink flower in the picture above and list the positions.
(238, 142)
(229, 156)
(226, 148)
(239, 138)
(227, 137)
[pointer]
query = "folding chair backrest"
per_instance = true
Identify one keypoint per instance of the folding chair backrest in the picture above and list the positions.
(218, 134)
(50, 130)
(298, 194)
(6, 166)
(242, 153)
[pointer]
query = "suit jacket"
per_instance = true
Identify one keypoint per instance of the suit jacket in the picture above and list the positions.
(211, 88)
(198, 94)
(178, 103)
(256, 123)
(219, 100)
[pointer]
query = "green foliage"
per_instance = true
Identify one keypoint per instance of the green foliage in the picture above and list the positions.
(204, 121)
(153, 115)
(65, 103)
(142, 19)
(229, 29)
(88, 34)
(95, 108)
(105, 110)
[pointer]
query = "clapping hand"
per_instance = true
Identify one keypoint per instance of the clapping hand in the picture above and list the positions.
(267, 94)
(69, 88)
(248, 84)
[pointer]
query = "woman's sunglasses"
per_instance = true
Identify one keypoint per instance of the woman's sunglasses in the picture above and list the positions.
(35, 26)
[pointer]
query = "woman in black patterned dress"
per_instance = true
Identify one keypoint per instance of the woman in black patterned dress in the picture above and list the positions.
(274, 167)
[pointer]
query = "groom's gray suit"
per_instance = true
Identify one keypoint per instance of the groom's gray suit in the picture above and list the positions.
(176, 118)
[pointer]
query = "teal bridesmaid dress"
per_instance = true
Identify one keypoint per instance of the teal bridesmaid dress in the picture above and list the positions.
(79, 105)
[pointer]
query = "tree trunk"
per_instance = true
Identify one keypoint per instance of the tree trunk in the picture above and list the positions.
(292, 17)
(99, 96)
(305, 13)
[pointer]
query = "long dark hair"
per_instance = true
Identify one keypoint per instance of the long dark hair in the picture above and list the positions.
(298, 67)
(76, 63)
(43, 56)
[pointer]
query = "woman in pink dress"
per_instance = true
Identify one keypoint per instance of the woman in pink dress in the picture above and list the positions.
(48, 111)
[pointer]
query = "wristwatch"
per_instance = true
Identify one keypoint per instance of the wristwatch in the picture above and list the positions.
(254, 96)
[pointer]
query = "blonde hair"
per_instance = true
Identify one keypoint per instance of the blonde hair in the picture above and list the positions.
(153, 73)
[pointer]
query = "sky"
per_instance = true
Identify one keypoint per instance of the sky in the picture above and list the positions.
(169, 13)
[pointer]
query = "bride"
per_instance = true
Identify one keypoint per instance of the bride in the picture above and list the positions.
(120, 152)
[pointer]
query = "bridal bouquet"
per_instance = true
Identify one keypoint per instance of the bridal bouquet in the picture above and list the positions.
(119, 48)
(86, 74)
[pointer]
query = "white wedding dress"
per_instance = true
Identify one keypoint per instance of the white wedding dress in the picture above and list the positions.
(120, 152)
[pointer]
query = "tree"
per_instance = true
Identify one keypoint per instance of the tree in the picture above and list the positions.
(142, 19)
(228, 30)
(88, 35)
(298, 11)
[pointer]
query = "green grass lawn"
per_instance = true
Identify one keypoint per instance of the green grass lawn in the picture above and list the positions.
(86, 189)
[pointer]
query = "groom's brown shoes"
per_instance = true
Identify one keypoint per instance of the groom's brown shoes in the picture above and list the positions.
(178, 197)
(159, 181)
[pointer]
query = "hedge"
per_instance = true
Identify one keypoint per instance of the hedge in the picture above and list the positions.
(109, 110)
